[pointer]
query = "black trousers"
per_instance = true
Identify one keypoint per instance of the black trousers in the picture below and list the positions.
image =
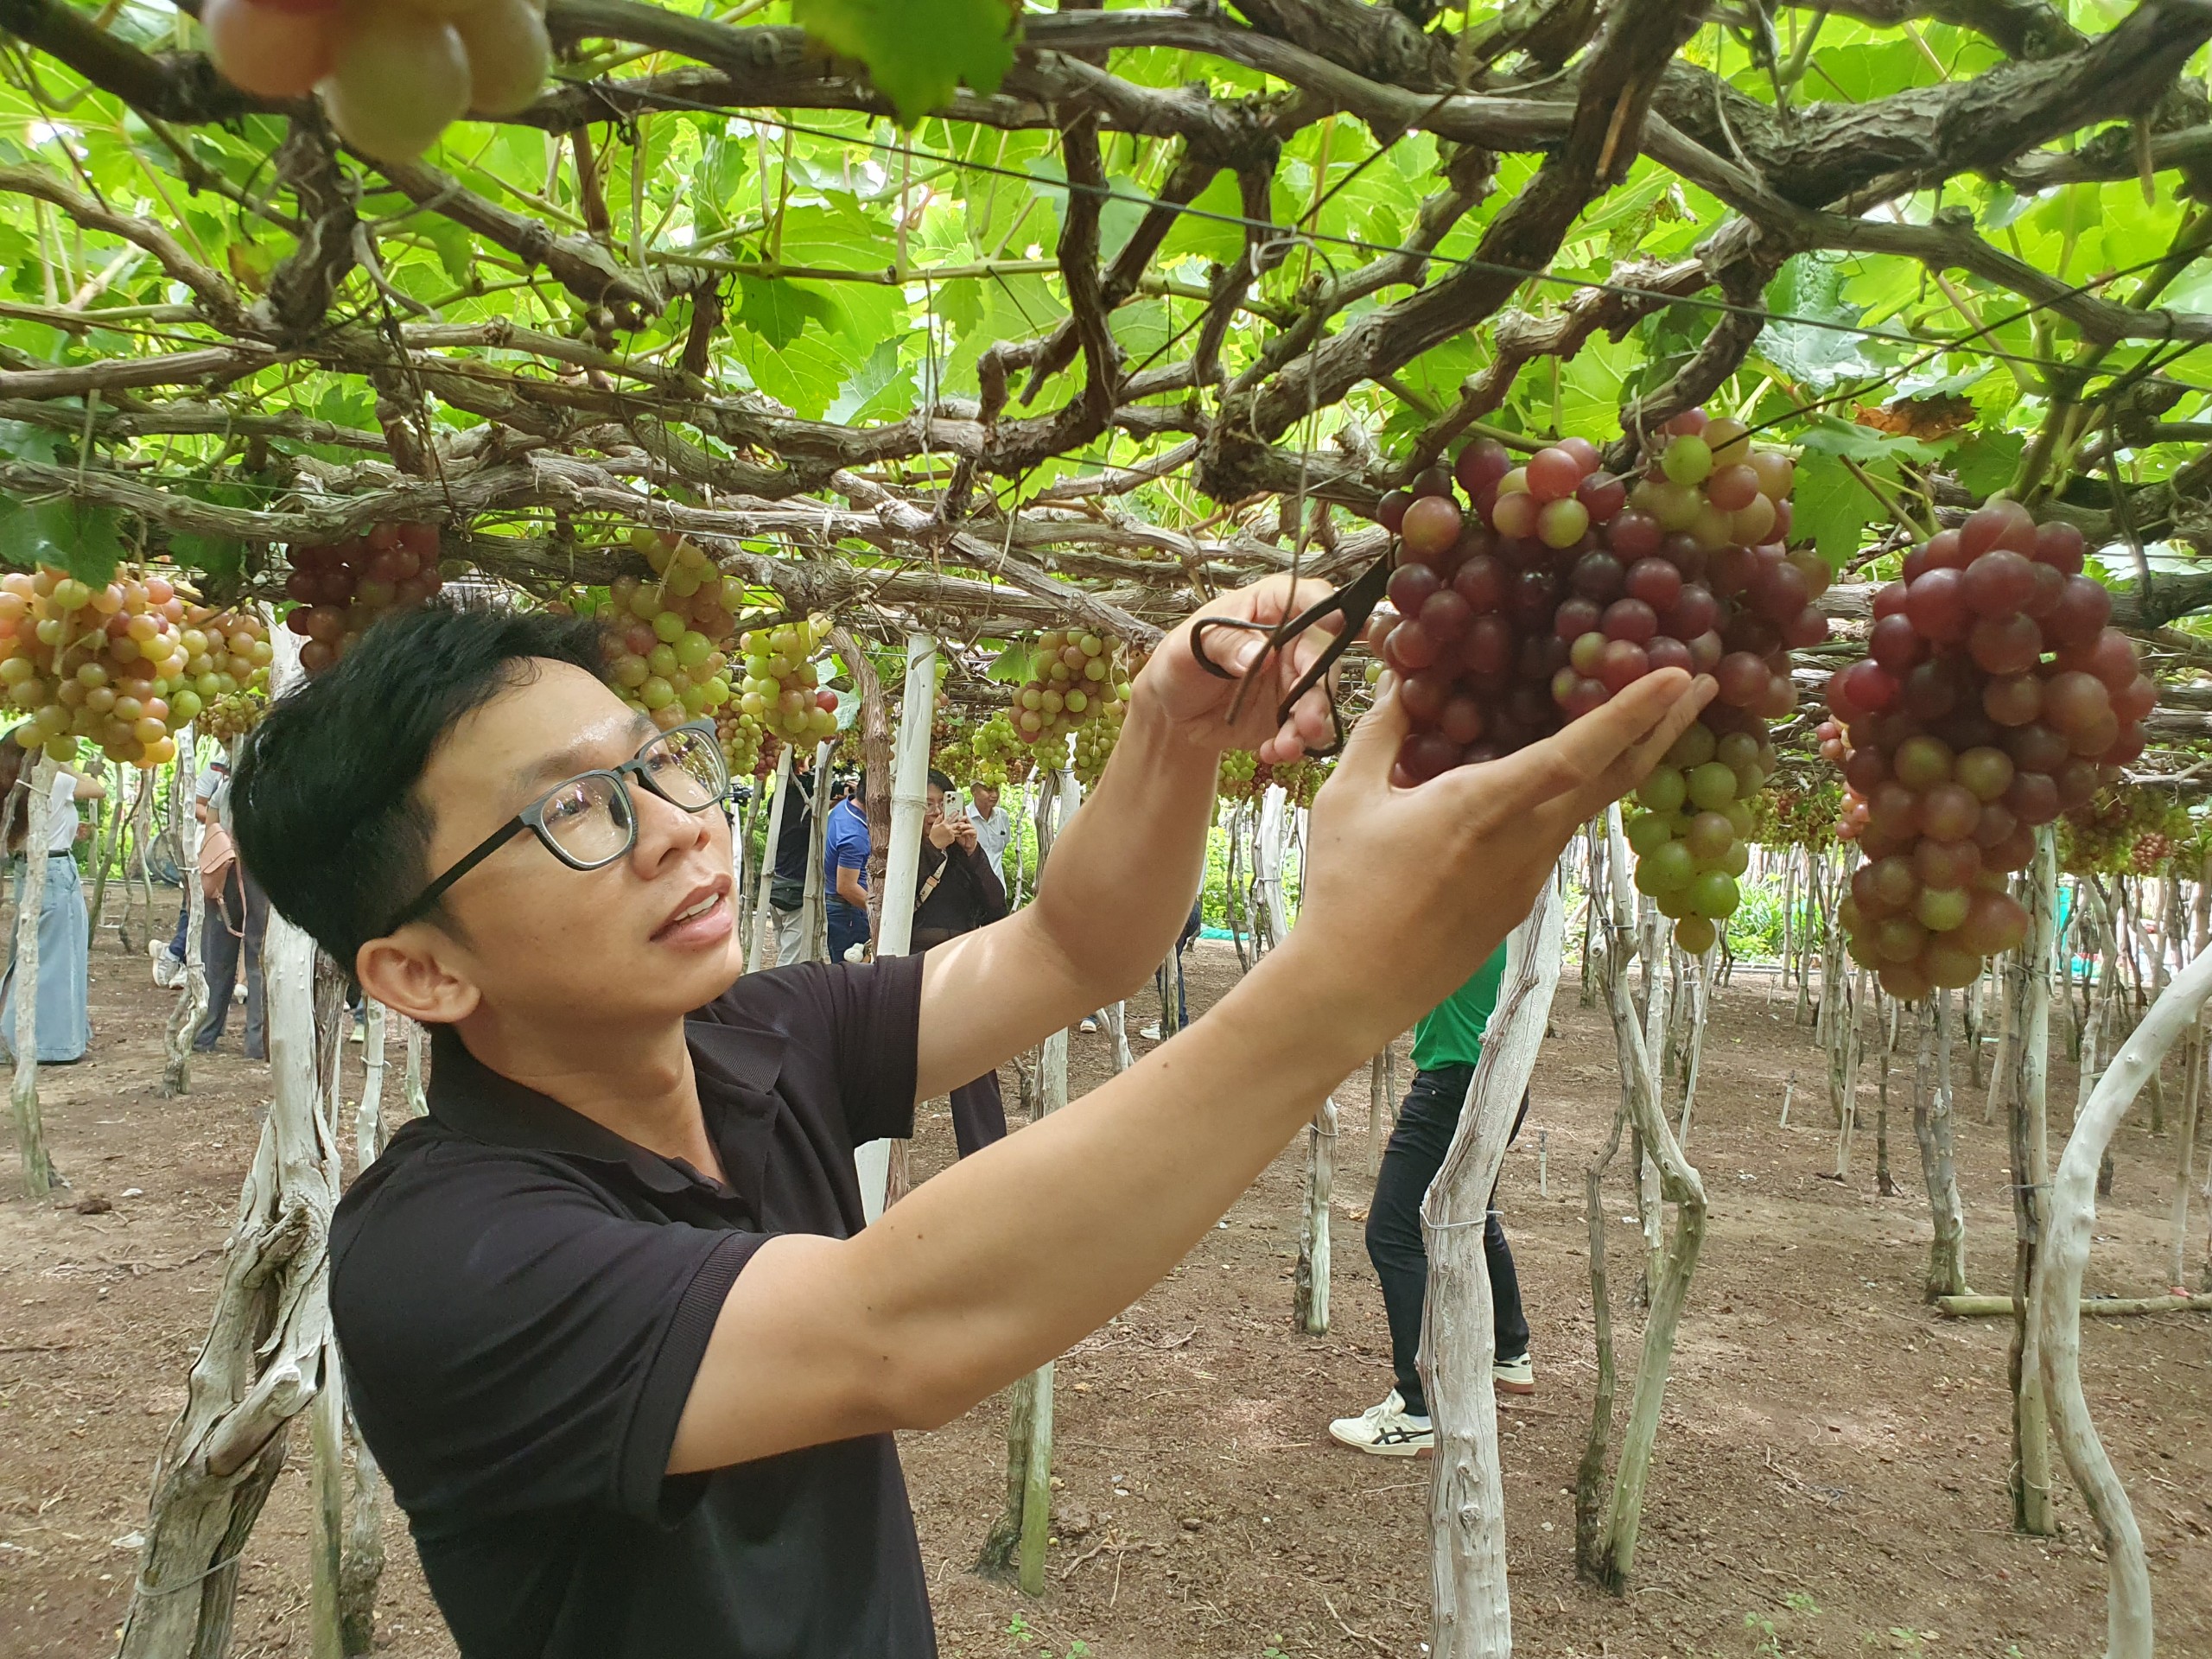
(978, 1113)
(246, 908)
(978, 1110)
(1427, 1122)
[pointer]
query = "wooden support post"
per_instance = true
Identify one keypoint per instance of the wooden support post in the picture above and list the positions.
(39, 1177)
(1472, 1615)
(763, 937)
(2028, 1010)
(2058, 1304)
(881, 1165)
(267, 1353)
(191, 1005)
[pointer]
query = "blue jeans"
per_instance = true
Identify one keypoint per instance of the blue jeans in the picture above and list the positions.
(1426, 1124)
(847, 927)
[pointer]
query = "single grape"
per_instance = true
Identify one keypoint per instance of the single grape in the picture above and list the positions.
(1553, 474)
(400, 78)
(1712, 786)
(1669, 868)
(1563, 523)
(1604, 495)
(1480, 466)
(1687, 459)
(1936, 604)
(1713, 893)
(509, 54)
(270, 51)
(1431, 528)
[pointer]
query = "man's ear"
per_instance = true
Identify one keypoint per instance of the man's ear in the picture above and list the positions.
(407, 971)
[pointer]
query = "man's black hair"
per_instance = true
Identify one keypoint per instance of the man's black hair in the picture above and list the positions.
(323, 798)
(940, 780)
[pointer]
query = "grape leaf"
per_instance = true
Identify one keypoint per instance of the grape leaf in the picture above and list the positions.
(78, 538)
(777, 309)
(1984, 463)
(917, 51)
(1831, 507)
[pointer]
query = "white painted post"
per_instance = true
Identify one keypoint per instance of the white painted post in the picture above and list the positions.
(910, 777)
(763, 952)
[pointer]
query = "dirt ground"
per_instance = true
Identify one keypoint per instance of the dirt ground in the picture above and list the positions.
(1830, 1476)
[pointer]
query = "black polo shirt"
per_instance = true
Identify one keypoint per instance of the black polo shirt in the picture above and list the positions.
(522, 1299)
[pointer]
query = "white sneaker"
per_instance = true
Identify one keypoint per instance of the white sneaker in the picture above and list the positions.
(1514, 1376)
(169, 971)
(1388, 1430)
(1088, 1025)
(1151, 1032)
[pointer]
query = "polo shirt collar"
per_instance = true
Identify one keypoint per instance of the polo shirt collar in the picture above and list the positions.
(736, 1068)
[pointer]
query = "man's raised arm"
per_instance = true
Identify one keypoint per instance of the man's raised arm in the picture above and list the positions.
(994, 1266)
(1119, 885)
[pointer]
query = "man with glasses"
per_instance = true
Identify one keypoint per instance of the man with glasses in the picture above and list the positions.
(610, 1319)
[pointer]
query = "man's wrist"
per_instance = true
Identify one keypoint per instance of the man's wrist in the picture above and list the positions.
(1158, 733)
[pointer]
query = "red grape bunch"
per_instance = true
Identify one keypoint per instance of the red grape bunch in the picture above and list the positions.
(110, 664)
(1992, 698)
(1560, 585)
(392, 74)
(782, 688)
(343, 587)
(669, 656)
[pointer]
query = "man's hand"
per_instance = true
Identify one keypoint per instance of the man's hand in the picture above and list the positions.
(1468, 850)
(1197, 703)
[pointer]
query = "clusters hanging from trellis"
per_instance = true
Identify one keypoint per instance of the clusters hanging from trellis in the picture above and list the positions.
(122, 666)
(341, 588)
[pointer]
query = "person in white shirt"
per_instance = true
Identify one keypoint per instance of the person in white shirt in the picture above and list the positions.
(993, 827)
(63, 1018)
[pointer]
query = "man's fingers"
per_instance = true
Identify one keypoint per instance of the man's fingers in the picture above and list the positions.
(1634, 764)
(1584, 759)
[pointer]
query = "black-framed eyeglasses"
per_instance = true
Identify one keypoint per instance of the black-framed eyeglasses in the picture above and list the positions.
(589, 821)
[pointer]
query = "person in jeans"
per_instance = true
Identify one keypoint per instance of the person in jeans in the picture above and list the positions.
(1447, 1043)
(956, 892)
(235, 926)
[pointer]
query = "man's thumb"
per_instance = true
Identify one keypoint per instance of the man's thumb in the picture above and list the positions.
(1373, 745)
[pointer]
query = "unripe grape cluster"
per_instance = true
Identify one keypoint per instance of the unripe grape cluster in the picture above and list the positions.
(740, 740)
(342, 587)
(228, 654)
(783, 688)
(392, 74)
(1073, 676)
(998, 753)
(112, 666)
(1558, 585)
(1992, 698)
(1236, 777)
(1093, 741)
(668, 633)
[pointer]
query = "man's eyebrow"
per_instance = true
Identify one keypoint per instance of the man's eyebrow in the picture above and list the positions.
(576, 757)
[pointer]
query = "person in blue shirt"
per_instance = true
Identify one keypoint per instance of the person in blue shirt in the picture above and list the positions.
(844, 871)
(1447, 1044)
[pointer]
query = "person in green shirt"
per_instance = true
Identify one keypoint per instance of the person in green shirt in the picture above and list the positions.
(1447, 1043)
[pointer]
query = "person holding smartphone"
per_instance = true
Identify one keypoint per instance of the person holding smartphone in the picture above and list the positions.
(956, 892)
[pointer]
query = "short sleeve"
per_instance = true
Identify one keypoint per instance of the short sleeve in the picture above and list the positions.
(852, 843)
(63, 796)
(511, 1342)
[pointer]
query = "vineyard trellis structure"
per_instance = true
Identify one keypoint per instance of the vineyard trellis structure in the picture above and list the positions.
(1162, 299)
(1082, 347)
